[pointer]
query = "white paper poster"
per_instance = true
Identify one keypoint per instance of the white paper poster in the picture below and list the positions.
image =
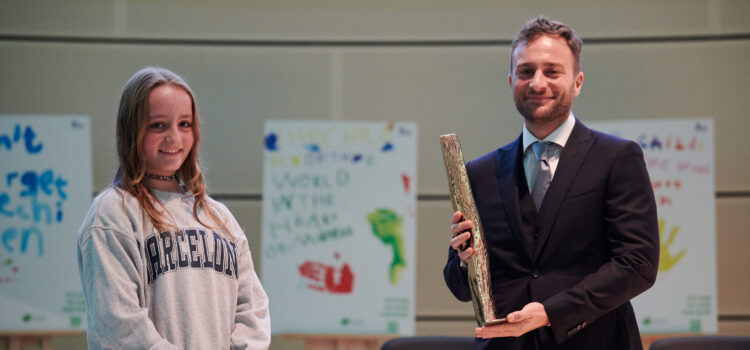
(339, 226)
(45, 191)
(679, 155)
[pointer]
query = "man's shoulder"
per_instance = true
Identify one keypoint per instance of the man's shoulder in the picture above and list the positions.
(488, 157)
(491, 156)
(607, 138)
(601, 139)
(613, 144)
(492, 162)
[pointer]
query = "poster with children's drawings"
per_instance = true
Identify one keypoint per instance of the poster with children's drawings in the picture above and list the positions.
(679, 155)
(45, 191)
(339, 226)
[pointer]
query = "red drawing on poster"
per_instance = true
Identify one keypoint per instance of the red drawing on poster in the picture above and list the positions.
(13, 269)
(656, 163)
(405, 180)
(664, 200)
(322, 277)
(675, 184)
(694, 168)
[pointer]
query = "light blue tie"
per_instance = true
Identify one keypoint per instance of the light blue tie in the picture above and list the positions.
(542, 151)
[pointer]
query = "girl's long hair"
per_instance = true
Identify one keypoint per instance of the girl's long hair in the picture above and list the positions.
(132, 120)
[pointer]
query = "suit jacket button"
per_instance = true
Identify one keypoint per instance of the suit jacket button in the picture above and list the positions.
(535, 274)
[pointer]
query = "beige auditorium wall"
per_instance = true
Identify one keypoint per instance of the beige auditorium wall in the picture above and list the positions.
(442, 64)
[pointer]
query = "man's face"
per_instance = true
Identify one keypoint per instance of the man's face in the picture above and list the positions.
(544, 79)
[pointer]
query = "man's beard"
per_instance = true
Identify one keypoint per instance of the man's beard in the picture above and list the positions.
(559, 109)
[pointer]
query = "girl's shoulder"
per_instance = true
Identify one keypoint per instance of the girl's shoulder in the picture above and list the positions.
(218, 206)
(114, 199)
(112, 193)
(236, 232)
(113, 209)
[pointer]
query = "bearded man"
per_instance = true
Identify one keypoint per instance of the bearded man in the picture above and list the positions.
(568, 212)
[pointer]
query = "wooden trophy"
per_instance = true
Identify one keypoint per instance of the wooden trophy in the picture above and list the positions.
(480, 282)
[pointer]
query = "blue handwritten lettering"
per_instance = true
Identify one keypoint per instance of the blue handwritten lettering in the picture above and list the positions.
(35, 197)
(25, 239)
(28, 179)
(5, 141)
(59, 184)
(31, 146)
(10, 235)
(5, 199)
(28, 137)
(270, 142)
(34, 182)
(37, 209)
(10, 176)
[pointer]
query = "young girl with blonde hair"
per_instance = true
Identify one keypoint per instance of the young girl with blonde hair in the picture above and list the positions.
(163, 265)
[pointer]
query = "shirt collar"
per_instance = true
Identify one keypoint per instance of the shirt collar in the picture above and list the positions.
(558, 136)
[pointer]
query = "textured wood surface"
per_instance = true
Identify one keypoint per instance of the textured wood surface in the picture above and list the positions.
(463, 201)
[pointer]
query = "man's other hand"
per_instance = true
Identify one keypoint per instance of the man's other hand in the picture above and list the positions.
(531, 317)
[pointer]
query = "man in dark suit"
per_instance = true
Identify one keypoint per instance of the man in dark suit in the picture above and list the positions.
(568, 212)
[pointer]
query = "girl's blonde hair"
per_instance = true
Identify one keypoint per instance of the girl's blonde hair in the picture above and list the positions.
(132, 120)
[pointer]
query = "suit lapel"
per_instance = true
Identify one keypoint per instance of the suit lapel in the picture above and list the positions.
(506, 162)
(578, 145)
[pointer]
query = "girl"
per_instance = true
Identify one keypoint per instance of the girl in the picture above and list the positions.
(163, 265)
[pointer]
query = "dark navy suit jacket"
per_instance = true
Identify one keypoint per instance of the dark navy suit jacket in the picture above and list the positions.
(593, 245)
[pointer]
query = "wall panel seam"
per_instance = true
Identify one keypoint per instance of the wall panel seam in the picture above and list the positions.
(426, 197)
(348, 43)
(421, 197)
(449, 318)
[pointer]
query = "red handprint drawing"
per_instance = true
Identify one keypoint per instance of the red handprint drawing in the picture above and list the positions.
(322, 277)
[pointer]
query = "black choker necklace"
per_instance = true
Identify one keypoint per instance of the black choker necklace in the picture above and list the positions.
(161, 177)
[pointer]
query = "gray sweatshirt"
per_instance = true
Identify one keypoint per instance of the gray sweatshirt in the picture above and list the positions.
(190, 288)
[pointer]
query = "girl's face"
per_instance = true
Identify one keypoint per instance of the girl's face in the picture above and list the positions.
(169, 131)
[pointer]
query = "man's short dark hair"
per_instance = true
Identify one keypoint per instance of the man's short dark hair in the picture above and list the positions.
(545, 26)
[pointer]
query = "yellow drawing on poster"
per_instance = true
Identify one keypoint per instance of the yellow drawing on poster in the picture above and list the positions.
(666, 260)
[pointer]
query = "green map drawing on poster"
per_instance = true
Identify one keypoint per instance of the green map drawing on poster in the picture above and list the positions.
(386, 225)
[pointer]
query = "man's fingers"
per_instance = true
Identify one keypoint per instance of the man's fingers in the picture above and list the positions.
(458, 240)
(500, 330)
(466, 254)
(461, 230)
(459, 224)
(514, 317)
(531, 317)
(461, 227)
(457, 217)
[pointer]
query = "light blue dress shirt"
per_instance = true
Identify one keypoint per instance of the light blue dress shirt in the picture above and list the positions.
(559, 136)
